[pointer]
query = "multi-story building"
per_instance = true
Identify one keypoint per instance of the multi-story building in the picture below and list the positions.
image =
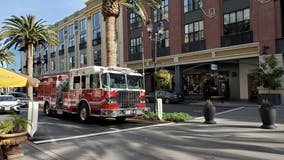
(210, 42)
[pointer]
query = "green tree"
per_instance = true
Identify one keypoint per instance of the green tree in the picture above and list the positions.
(110, 11)
(269, 74)
(25, 33)
(6, 56)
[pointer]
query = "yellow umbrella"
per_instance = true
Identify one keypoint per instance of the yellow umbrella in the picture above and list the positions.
(10, 78)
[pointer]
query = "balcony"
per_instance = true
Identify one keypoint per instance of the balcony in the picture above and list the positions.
(52, 54)
(238, 38)
(280, 45)
(96, 41)
(71, 49)
(83, 45)
(135, 56)
(193, 46)
(61, 52)
(164, 51)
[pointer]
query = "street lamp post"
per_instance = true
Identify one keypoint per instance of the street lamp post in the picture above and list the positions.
(157, 37)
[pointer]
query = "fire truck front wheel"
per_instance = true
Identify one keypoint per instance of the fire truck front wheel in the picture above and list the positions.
(83, 112)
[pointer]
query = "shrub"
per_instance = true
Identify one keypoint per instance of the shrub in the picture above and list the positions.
(175, 116)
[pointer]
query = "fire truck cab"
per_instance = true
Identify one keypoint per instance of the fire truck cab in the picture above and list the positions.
(108, 92)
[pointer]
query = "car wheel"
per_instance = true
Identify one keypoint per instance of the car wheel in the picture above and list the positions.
(17, 112)
(83, 113)
(167, 101)
(120, 119)
(47, 110)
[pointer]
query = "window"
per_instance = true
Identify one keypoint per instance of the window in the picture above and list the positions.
(71, 30)
(71, 62)
(136, 45)
(83, 80)
(94, 81)
(76, 82)
(237, 22)
(165, 40)
(191, 5)
(193, 32)
(83, 25)
(97, 58)
(97, 25)
(135, 21)
(53, 49)
(165, 12)
(61, 35)
(62, 64)
(83, 60)
(83, 38)
(97, 20)
(97, 34)
(71, 42)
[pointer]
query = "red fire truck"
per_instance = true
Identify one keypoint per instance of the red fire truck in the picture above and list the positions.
(108, 92)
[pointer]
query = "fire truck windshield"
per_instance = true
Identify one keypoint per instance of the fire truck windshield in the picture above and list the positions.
(134, 82)
(118, 80)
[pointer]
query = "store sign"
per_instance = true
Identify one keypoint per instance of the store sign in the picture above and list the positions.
(214, 67)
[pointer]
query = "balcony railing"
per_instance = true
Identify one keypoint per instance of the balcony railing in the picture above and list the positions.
(238, 38)
(280, 45)
(193, 46)
(135, 56)
(96, 41)
(164, 51)
(52, 55)
(61, 52)
(83, 45)
(71, 49)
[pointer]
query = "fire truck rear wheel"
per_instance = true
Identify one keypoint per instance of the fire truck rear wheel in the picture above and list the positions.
(47, 110)
(83, 112)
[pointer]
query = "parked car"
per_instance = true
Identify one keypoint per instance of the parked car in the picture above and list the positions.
(167, 97)
(9, 103)
(23, 97)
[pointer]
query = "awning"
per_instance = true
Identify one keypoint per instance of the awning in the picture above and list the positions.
(10, 78)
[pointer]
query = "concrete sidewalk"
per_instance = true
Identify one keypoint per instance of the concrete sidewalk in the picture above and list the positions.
(236, 136)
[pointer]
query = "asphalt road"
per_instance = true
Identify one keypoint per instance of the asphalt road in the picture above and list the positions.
(58, 127)
(236, 136)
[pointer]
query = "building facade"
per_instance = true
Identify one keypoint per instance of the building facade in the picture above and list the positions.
(212, 44)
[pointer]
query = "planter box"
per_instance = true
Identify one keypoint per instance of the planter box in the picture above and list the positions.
(274, 98)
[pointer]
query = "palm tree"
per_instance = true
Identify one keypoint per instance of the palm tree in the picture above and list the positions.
(110, 11)
(25, 33)
(6, 56)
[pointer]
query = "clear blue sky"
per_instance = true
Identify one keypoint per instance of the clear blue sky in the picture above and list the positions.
(49, 10)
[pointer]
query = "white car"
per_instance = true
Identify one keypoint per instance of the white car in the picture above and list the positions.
(9, 103)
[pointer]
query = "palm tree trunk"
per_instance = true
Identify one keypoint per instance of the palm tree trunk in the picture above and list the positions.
(30, 69)
(111, 45)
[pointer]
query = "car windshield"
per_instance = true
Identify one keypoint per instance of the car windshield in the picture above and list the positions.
(135, 82)
(17, 95)
(7, 98)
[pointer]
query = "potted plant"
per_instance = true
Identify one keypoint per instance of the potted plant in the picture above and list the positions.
(12, 133)
(163, 78)
(268, 75)
(267, 115)
(209, 110)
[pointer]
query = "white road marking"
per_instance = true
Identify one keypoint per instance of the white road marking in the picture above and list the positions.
(100, 133)
(219, 113)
